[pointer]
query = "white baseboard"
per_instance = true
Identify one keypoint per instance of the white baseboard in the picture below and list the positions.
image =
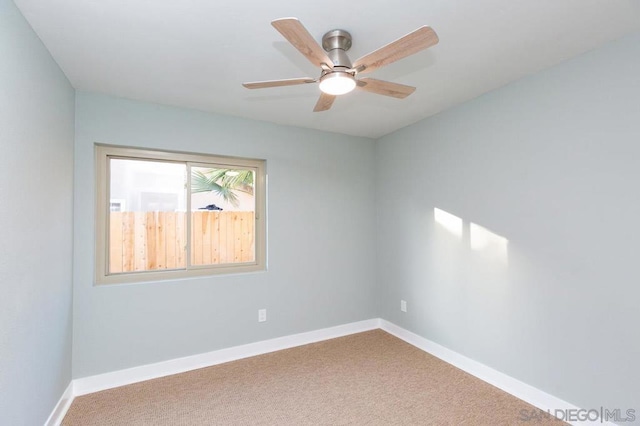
(59, 411)
(180, 365)
(521, 390)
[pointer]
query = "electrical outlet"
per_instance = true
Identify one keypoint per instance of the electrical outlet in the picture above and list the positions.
(262, 315)
(403, 305)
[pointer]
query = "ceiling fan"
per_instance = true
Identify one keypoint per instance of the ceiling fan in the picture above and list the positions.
(338, 74)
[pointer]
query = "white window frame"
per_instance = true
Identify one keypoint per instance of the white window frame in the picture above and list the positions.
(105, 152)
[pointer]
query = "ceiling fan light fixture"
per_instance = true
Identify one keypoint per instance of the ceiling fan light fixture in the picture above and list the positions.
(337, 83)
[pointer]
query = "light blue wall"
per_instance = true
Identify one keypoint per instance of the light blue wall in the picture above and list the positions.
(320, 245)
(36, 166)
(552, 163)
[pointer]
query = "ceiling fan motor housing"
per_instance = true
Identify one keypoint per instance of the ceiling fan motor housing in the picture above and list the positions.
(336, 43)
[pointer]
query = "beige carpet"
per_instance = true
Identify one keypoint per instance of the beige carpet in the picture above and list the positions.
(369, 378)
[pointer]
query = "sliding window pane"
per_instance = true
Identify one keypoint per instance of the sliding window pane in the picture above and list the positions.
(147, 221)
(223, 209)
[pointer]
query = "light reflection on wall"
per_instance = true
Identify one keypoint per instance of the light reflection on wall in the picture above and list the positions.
(493, 245)
(490, 244)
(450, 222)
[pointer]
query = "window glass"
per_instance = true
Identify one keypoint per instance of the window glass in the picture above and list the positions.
(222, 215)
(147, 231)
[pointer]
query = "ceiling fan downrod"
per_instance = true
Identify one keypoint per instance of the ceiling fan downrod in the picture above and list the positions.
(336, 43)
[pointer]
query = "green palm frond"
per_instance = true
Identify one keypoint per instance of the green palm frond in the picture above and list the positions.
(202, 183)
(223, 182)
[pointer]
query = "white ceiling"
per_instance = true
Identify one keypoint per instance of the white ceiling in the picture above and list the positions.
(196, 53)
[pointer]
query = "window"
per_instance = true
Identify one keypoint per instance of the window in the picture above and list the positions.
(164, 215)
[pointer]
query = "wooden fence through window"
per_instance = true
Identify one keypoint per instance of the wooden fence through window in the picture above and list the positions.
(150, 241)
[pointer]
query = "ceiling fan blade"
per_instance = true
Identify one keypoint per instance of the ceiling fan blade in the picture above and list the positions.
(324, 103)
(278, 83)
(299, 37)
(413, 42)
(385, 88)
